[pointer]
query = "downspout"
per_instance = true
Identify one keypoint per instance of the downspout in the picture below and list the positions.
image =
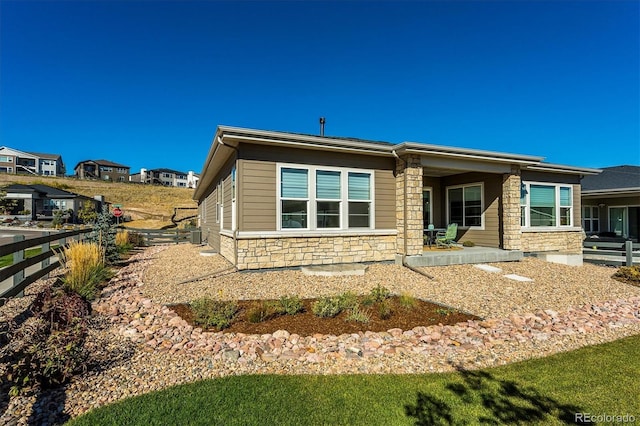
(234, 231)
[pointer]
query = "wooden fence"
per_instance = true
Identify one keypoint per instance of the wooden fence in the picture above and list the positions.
(168, 236)
(24, 271)
(611, 253)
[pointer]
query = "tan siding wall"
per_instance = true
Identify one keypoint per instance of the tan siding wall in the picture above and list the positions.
(490, 235)
(385, 192)
(212, 229)
(226, 196)
(577, 206)
(257, 197)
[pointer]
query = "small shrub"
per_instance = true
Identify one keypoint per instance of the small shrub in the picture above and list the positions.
(407, 301)
(327, 307)
(261, 311)
(444, 311)
(628, 274)
(290, 305)
(123, 241)
(468, 243)
(357, 314)
(368, 300)
(85, 268)
(214, 313)
(384, 309)
(348, 300)
(59, 308)
(136, 239)
(379, 293)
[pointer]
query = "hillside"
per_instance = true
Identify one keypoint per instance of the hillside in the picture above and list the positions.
(149, 206)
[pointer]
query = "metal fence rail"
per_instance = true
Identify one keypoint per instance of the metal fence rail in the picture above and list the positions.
(624, 253)
(24, 272)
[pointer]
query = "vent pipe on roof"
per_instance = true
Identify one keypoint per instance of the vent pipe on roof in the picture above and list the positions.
(322, 121)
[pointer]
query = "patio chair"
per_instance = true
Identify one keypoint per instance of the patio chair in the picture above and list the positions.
(447, 238)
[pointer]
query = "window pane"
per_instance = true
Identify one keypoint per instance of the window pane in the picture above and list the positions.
(359, 186)
(586, 213)
(327, 184)
(587, 226)
(565, 216)
(595, 212)
(473, 206)
(455, 206)
(294, 183)
(565, 197)
(294, 214)
(328, 215)
(358, 215)
(426, 208)
(543, 206)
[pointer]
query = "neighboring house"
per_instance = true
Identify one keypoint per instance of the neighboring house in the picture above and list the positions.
(166, 177)
(35, 163)
(102, 169)
(40, 201)
(611, 203)
(273, 199)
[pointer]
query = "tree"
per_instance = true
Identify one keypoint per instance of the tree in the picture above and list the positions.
(105, 235)
(57, 218)
(87, 212)
(6, 204)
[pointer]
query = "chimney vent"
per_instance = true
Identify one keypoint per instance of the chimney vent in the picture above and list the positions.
(322, 121)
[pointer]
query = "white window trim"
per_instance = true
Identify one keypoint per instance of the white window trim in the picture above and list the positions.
(461, 226)
(234, 191)
(428, 189)
(527, 226)
(312, 200)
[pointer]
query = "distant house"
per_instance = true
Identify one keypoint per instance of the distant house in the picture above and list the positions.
(611, 202)
(14, 161)
(40, 201)
(276, 199)
(166, 177)
(102, 169)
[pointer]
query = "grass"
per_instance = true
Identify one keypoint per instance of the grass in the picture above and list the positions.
(28, 253)
(599, 379)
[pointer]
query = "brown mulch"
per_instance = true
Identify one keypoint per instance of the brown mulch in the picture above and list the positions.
(307, 324)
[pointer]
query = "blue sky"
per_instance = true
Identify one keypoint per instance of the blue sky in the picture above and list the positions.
(146, 83)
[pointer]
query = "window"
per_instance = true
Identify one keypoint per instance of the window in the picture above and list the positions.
(218, 201)
(426, 208)
(121, 170)
(5, 159)
(591, 219)
(546, 205)
(121, 179)
(324, 198)
(106, 169)
(465, 205)
(6, 169)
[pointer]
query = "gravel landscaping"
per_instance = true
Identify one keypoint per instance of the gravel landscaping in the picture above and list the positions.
(139, 345)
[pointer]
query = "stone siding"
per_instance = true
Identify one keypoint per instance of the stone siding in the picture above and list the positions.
(227, 248)
(409, 203)
(511, 235)
(569, 242)
(281, 252)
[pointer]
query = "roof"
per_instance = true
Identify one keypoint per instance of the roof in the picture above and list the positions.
(614, 178)
(227, 139)
(49, 191)
(46, 156)
(175, 172)
(102, 163)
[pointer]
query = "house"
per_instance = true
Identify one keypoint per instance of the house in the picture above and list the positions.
(39, 202)
(102, 169)
(14, 161)
(166, 177)
(611, 203)
(275, 199)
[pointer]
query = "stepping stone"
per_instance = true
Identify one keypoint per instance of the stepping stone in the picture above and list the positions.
(208, 253)
(518, 278)
(334, 270)
(488, 268)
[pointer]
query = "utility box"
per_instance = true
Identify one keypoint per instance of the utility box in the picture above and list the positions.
(196, 236)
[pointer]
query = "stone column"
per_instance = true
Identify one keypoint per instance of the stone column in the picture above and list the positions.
(511, 228)
(409, 205)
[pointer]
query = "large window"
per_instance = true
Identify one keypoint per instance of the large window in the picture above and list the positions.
(324, 198)
(546, 205)
(465, 205)
(591, 219)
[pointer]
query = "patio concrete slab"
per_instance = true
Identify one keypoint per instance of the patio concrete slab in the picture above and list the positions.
(334, 270)
(465, 255)
(208, 253)
(516, 277)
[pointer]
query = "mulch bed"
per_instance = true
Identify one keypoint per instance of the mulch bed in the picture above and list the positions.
(307, 324)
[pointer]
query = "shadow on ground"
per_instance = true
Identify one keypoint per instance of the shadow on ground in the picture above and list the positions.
(496, 401)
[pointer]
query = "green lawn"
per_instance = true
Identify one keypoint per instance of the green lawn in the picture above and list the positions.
(602, 379)
(8, 259)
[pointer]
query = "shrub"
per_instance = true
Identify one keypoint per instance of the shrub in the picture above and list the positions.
(629, 274)
(407, 301)
(123, 241)
(85, 268)
(357, 314)
(379, 293)
(384, 309)
(59, 308)
(327, 307)
(136, 239)
(261, 311)
(468, 243)
(347, 300)
(104, 235)
(290, 305)
(214, 313)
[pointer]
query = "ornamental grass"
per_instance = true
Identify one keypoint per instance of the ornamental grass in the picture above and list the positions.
(85, 268)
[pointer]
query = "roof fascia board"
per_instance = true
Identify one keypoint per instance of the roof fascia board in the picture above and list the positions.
(214, 161)
(459, 153)
(610, 192)
(560, 168)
